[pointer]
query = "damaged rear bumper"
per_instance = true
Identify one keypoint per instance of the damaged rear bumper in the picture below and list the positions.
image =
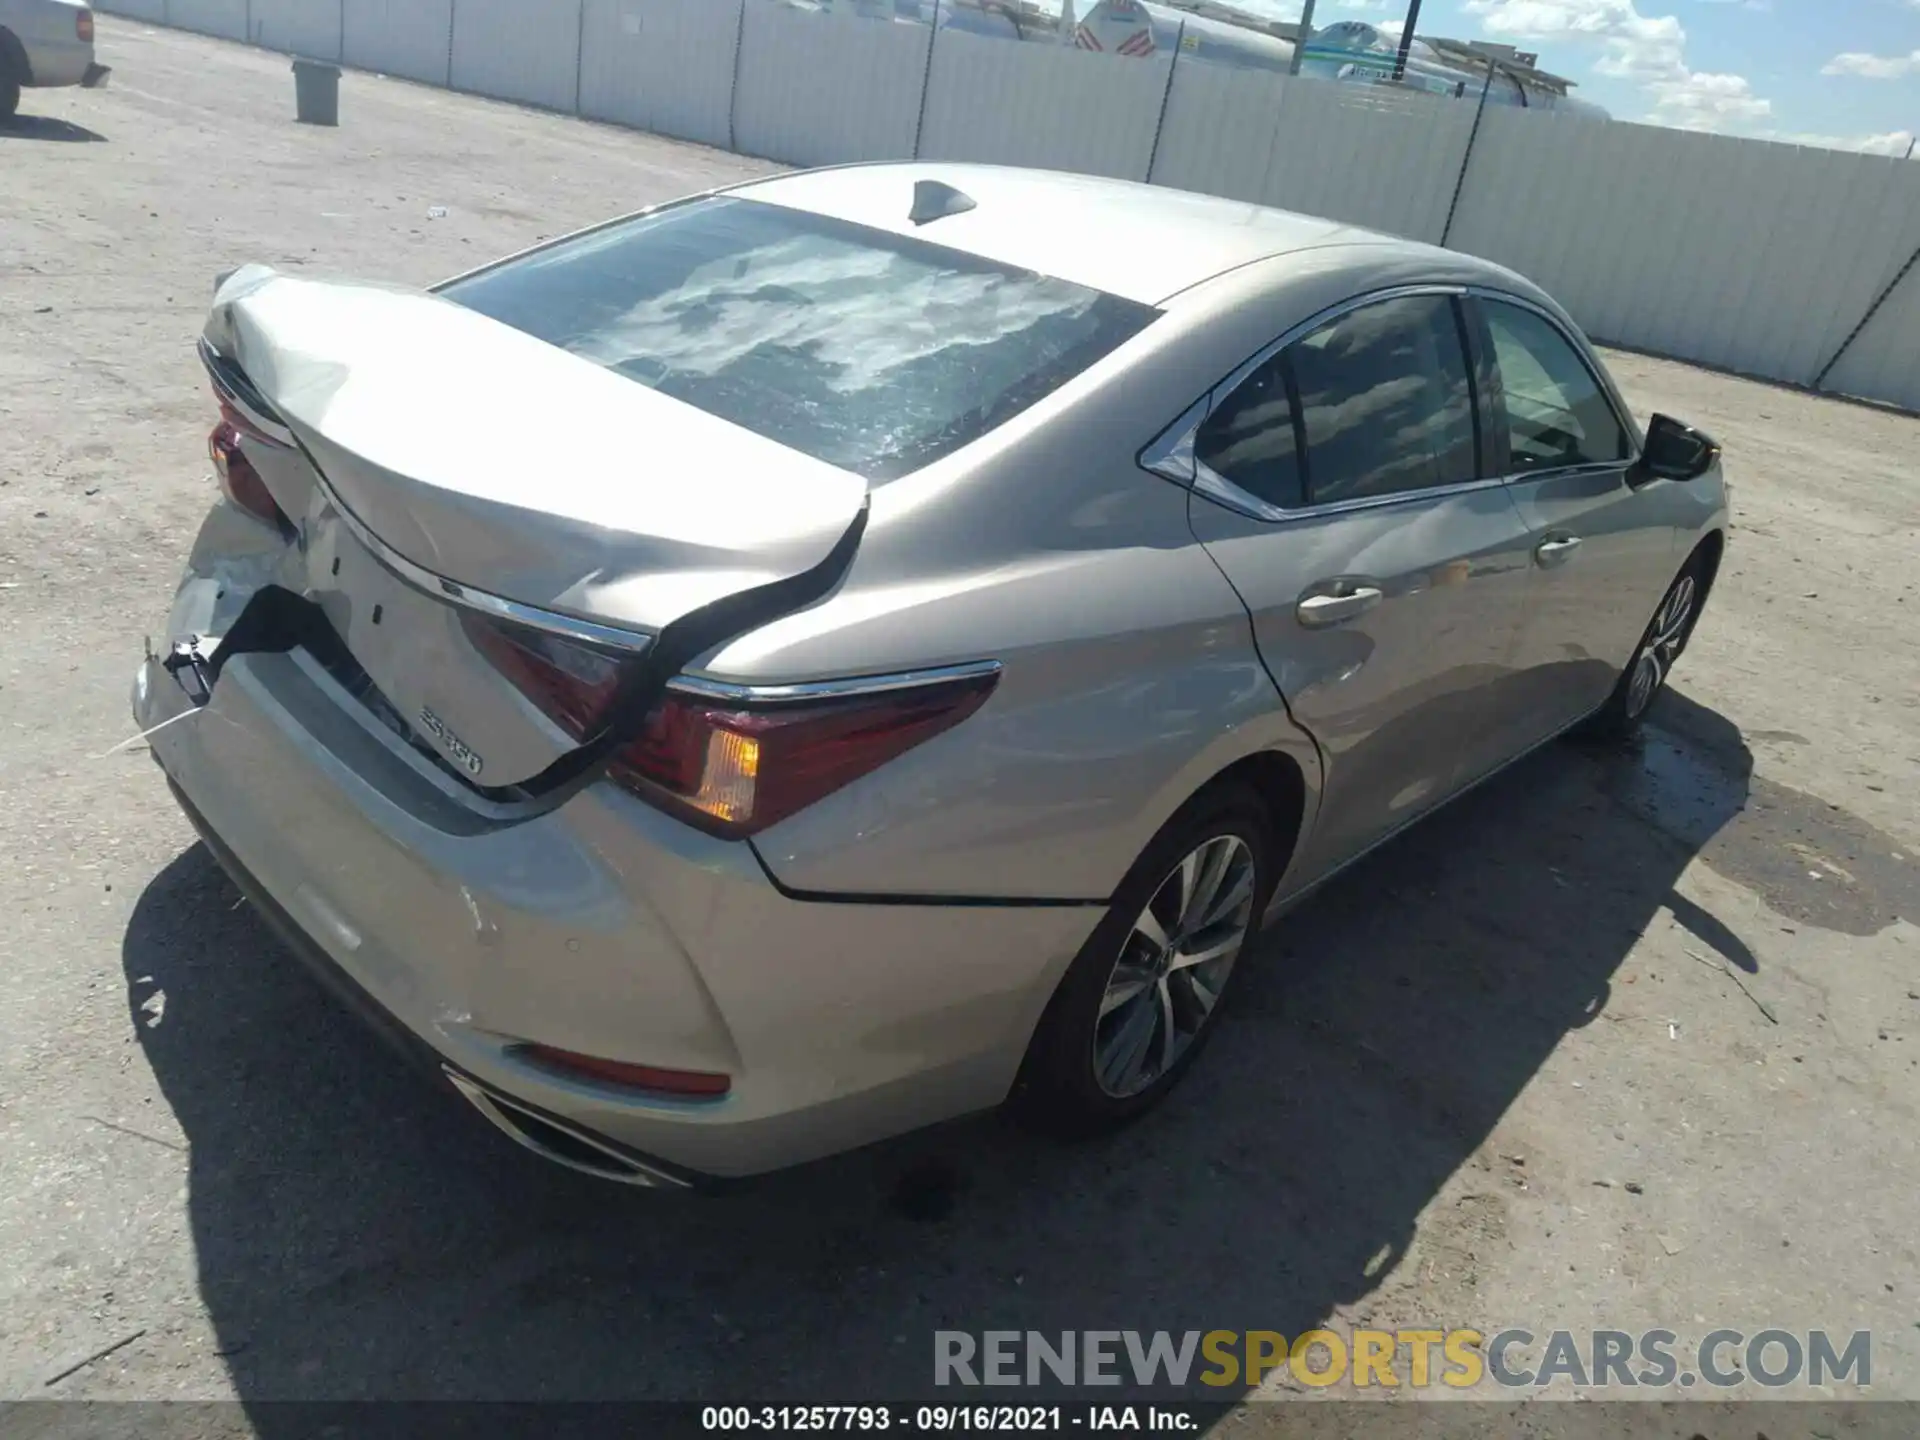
(600, 926)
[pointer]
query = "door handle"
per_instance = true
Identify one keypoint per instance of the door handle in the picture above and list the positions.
(1558, 550)
(1320, 610)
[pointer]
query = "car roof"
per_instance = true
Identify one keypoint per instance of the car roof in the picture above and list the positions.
(1142, 242)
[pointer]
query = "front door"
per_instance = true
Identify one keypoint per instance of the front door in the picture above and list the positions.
(1341, 490)
(1602, 553)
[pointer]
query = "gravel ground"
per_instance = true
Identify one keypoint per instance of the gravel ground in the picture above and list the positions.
(1628, 1040)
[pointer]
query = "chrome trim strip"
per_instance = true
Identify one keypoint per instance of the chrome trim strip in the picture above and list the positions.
(621, 1168)
(1333, 312)
(1561, 472)
(554, 622)
(804, 691)
(274, 430)
(1171, 456)
(1215, 486)
(1175, 446)
(1234, 498)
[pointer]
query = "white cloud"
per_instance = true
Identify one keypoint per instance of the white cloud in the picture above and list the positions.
(1646, 50)
(1872, 67)
(1895, 142)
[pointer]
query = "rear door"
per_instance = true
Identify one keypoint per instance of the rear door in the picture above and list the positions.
(1600, 551)
(1340, 486)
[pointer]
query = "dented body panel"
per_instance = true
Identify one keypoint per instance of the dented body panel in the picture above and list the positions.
(876, 957)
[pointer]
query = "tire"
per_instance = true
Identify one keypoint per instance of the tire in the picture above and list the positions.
(1074, 1081)
(1661, 644)
(9, 90)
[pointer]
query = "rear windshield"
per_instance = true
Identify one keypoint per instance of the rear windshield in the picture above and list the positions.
(871, 351)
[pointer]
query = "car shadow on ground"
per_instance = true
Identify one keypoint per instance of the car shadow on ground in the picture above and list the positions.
(45, 127)
(360, 1235)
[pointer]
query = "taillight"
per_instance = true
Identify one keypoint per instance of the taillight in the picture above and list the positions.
(573, 684)
(699, 1083)
(238, 479)
(736, 769)
(730, 767)
(83, 26)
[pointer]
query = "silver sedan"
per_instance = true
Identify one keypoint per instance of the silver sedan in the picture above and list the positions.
(868, 645)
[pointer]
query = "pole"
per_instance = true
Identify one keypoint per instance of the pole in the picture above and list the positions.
(579, 53)
(1872, 310)
(1910, 144)
(926, 79)
(1406, 41)
(1166, 97)
(733, 90)
(1301, 40)
(1460, 180)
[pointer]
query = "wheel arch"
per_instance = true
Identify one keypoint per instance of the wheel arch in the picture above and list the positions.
(1706, 554)
(1278, 781)
(1709, 551)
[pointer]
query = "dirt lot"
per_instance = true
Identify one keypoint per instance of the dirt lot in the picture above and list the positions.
(1686, 968)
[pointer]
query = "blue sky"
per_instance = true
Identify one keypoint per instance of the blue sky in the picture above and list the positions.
(1836, 72)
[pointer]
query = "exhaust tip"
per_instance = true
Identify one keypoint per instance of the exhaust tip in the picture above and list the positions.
(559, 1142)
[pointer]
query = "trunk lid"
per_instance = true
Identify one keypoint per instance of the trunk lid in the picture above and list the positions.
(467, 450)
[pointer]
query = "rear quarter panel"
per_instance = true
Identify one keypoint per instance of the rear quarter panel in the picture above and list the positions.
(1129, 673)
(1129, 680)
(46, 30)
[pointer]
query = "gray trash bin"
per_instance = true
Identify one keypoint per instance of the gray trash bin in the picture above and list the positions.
(316, 92)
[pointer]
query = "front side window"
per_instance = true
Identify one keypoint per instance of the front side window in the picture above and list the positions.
(1386, 405)
(1556, 413)
(874, 352)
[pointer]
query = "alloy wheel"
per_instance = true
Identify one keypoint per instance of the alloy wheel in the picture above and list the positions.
(1173, 966)
(1662, 647)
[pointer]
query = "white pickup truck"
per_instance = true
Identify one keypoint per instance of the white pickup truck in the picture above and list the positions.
(45, 42)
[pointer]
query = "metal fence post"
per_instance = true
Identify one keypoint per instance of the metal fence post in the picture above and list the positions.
(733, 91)
(579, 55)
(1166, 96)
(1460, 180)
(1872, 310)
(926, 79)
(453, 24)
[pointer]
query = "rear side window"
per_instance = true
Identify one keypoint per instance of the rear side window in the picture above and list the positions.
(873, 352)
(1252, 437)
(1386, 406)
(1556, 412)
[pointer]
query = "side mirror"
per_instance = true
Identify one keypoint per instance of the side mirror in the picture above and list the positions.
(1677, 452)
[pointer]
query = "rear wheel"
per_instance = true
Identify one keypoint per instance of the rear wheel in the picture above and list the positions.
(1646, 674)
(9, 89)
(1139, 1001)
